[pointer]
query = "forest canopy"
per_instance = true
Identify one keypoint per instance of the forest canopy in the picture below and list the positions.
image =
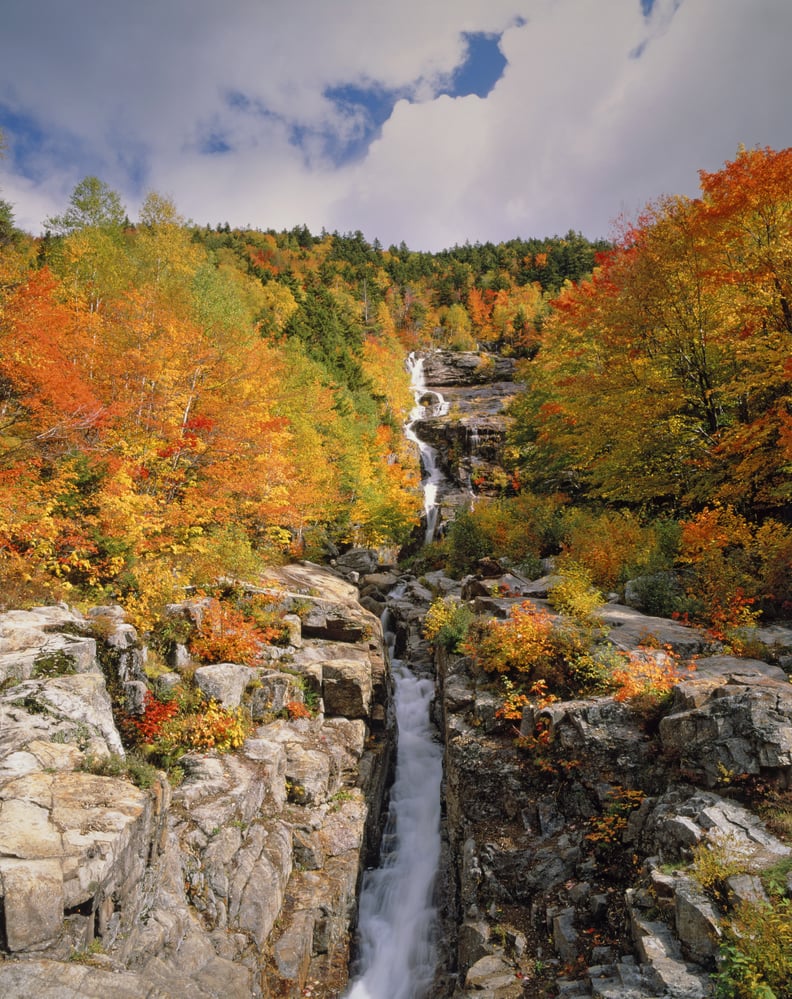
(179, 402)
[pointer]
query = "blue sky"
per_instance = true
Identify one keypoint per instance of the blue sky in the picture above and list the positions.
(429, 122)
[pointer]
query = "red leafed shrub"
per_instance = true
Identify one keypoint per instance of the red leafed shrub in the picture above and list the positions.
(147, 728)
(297, 709)
(227, 635)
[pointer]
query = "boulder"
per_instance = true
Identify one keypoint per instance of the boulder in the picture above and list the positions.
(224, 682)
(347, 688)
(32, 646)
(731, 722)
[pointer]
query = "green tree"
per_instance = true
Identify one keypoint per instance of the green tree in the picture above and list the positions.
(92, 204)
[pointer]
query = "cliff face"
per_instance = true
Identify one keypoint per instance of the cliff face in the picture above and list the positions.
(572, 831)
(568, 863)
(239, 882)
(469, 439)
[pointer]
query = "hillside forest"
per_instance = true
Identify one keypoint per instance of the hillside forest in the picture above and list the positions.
(182, 402)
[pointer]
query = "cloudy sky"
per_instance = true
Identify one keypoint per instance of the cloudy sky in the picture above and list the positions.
(428, 121)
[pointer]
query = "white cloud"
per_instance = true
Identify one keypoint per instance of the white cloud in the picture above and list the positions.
(577, 130)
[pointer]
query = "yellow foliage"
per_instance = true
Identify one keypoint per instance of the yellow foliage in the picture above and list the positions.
(649, 674)
(212, 727)
(522, 643)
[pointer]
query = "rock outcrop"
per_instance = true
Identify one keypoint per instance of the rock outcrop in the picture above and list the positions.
(559, 846)
(469, 439)
(239, 882)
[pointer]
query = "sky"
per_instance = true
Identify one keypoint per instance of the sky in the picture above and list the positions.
(428, 122)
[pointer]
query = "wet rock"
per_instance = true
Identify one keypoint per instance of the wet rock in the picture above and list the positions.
(446, 367)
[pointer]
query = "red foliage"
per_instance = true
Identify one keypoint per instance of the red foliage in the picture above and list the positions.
(147, 727)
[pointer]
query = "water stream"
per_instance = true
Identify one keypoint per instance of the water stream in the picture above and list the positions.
(433, 475)
(397, 914)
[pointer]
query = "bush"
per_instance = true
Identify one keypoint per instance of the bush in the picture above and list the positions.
(756, 952)
(210, 727)
(574, 594)
(149, 726)
(647, 676)
(142, 774)
(660, 594)
(465, 543)
(591, 671)
(227, 635)
(519, 530)
(611, 545)
(447, 623)
(521, 644)
(717, 544)
(715, 861)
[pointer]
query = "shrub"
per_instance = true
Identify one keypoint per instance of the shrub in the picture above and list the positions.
(611, 545)
(227, 635)
(773, 551)
(647, 675)
(716, 544)
(591, 671)
(211, 727)
(661, 594)
(296, 709)
(148, 727)
(717, 859)
(531, 647)
(606, 830)
(447, 623)
(521, 644)
(267, 616)
(756, 952)
(574, 595)
(465, 543)
(141, 773)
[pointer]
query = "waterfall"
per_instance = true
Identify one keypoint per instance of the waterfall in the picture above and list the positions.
(433, 475)
(397, 915)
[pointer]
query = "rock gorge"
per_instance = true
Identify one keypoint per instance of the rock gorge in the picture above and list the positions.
(566, 861)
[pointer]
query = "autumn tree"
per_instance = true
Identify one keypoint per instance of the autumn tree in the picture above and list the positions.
(665, 377)
(93, 204)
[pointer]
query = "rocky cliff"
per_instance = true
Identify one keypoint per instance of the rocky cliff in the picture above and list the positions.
(569, 862)
(469, 439)
(238, 882)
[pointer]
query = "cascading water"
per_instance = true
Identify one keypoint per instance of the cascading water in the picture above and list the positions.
(433, 475)
(397, 915)
(396, 912)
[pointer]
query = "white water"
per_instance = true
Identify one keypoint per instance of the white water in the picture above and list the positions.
(397, 950)
(433, 475)
(397, 916)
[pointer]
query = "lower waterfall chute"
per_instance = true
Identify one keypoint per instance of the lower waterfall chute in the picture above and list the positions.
(397, 915)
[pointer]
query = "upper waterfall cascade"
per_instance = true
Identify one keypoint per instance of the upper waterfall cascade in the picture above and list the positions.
(428, 402)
